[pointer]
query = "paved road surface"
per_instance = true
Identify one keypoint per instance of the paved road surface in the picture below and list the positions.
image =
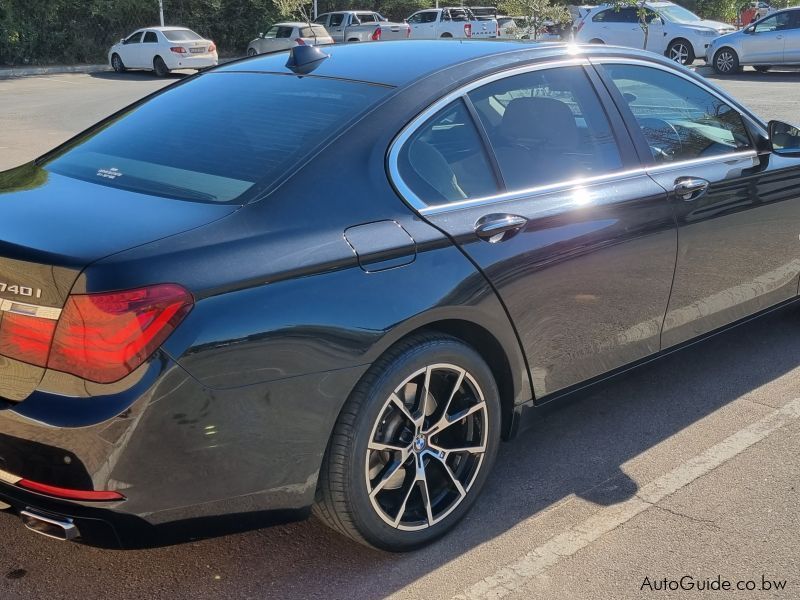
(688, 467)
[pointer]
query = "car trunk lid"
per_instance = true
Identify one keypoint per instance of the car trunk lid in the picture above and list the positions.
(53, 226)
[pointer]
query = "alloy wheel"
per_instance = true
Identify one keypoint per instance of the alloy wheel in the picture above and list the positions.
(426, 447)
(679, 53)
(725, 61)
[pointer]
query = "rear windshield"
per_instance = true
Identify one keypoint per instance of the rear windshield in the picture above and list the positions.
(181, 35)
(217, 136)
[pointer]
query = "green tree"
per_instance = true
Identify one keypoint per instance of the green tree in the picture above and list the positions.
(536, 13)
(724, 10)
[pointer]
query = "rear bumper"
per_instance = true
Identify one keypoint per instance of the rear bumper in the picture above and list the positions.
(175, 61)
(191, 461)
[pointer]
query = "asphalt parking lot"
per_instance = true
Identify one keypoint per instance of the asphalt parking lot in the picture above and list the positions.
(687, 467)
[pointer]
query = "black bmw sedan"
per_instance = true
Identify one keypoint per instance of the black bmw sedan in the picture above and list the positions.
(335, 280)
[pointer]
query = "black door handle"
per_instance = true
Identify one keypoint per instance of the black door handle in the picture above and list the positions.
(690, 188)
(499, 227)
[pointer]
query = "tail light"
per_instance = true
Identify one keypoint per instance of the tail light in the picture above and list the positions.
(468, 29)
(212, 47)
(300, 41)
(408, 30)
(178, 50)
(104, 337)
(376, 35)
(99, 337)
(497, 29)
(26, 338)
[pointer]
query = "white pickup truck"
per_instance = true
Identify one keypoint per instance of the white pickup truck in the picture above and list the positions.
(457, 22)
(361, 26)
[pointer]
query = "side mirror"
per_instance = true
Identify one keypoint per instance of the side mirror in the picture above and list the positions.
(121, 40)
(750, 29)
(784, 138)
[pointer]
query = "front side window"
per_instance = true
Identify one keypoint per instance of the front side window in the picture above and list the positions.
(272, 33)
(336, 19)
(321, 20)
(284, 32)
(445, 160)
(135, 38)
(679, 119)
(546, 126)
(428, 17)
(777, 22)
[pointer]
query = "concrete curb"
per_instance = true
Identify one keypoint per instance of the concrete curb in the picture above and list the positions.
(28, 71)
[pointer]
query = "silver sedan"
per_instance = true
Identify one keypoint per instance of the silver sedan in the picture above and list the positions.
(285, 35)
(771, 41)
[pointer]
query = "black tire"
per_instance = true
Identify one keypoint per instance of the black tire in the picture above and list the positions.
(726, 61)
(681, 51)
(251, 52)
(160, 67)
(762, 68)
(447, 35)
(117, 64)
(343, 499)
(596, 41)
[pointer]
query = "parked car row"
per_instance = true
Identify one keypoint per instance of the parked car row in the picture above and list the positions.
(667, 29)
(672, 30)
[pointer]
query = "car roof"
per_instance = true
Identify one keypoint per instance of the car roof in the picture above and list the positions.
(402, 62)
(293, 24)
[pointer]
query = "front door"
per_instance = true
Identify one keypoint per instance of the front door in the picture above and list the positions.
(539, 186)
(765, 45)
(738, 211)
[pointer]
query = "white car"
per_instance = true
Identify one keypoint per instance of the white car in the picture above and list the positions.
(285, 35)
(672, 30)
(163, 49)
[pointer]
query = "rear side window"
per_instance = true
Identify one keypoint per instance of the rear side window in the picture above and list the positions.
(546, 126)
(181, 35)
(445, 160)
(150, 37)
(679, 119)
(612, 15)
(217, 136)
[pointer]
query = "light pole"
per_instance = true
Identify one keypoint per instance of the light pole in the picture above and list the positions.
(315, 9)
(161, 11)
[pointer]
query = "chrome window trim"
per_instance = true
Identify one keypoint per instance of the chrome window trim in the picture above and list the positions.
(399, 141)
(429, 209)
(599, 60)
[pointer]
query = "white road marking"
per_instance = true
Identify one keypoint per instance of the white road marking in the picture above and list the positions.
(516, 574)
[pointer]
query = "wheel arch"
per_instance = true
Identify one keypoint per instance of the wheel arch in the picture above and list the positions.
(500, 350)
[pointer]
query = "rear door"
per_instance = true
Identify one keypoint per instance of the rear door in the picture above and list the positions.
(149, 48)
(619, 27)
(791, 49)
(538, 184)
(738, 211)
(336, 26)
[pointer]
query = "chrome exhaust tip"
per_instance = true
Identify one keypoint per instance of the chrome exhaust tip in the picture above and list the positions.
(59, 529)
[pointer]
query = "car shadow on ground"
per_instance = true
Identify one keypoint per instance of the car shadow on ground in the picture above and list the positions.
(139, 75)
(750, 75)
(578, 449)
